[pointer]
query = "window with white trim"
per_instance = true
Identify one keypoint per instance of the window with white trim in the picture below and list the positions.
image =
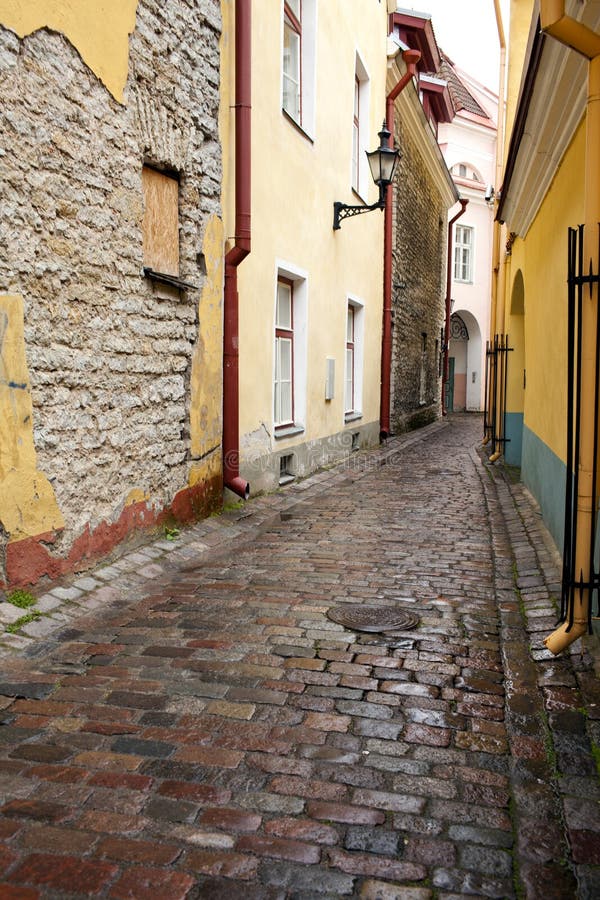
(283, 412)
(356, 134)
(463, 170)
(292, 55)
(360, 129)
(353, 373)
(350, 360)
(463, 253)
(289, 350)
(298, 62)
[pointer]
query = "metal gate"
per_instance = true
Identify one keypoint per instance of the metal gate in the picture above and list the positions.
(496, 373)
(578, 281)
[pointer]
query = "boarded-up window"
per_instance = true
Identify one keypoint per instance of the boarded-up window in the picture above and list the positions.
(160, 226)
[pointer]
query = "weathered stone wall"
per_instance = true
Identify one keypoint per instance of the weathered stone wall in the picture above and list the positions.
(418, 285)
(109, 353)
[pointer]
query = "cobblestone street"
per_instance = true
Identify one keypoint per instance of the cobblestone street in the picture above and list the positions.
(187, 722)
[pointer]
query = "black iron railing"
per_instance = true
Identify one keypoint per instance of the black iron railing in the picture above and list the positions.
(496, 379)
(578, 281)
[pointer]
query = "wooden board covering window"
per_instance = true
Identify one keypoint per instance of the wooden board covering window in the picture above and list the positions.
(160, 226)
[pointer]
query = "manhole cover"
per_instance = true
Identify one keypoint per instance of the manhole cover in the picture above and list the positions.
(358, 617)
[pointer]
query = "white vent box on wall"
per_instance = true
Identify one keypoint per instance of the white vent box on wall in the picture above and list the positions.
(329, 378)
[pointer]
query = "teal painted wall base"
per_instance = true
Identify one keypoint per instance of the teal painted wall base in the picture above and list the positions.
(544, 474)
(513, 432)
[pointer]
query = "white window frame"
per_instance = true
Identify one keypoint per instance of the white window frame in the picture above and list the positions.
(358, 358)
(304, 116)
(291, 97)
(356, 135)
(350, 378)
(464, 254)
(285, 271)
(470, 173)
(360, 177)
(283, 382)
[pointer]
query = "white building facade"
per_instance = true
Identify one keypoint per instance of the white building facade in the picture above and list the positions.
(468, 144)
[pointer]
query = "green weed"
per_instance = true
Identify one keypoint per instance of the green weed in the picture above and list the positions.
(24, 620)
(22, 599)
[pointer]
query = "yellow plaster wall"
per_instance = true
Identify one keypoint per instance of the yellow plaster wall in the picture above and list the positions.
(27, 503)
(295, 182)
(520, 19)
(98, 29)
(543, 259)
(515, 329)
(207, 363)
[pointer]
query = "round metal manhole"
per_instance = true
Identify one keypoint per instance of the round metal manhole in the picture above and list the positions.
(358, 617)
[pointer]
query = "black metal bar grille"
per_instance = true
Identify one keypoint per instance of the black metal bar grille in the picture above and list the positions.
(572, 581)
(496, 381)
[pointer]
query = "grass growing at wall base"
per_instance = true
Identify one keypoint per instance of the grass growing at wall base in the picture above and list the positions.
(24, 620)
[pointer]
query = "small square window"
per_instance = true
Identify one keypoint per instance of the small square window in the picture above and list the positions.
(286, 468)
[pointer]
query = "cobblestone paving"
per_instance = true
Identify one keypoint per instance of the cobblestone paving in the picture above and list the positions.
(187, 722)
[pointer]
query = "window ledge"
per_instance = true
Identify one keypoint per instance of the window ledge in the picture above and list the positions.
(352, 416)
(288, 431)
(297, 126)
(172, 280)
(286, 479)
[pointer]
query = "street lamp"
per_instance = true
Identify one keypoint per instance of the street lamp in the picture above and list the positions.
(382, 163)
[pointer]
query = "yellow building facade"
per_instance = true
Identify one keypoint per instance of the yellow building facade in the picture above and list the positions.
(550, 188)
(318, 96)
(308, 336)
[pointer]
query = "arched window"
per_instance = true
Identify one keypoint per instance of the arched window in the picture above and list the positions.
(466, 171)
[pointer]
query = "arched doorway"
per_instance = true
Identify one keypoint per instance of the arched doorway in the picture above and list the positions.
(465, 364)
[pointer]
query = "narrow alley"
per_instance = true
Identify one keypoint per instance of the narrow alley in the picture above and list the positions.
(188, 722)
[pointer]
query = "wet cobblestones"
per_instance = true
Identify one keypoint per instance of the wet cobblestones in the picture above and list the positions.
(187, 722)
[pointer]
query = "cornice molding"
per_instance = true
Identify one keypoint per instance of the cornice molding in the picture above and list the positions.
(551, 107)
(409, 107)
(556, 108)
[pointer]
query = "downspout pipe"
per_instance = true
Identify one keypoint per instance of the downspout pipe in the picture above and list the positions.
(497, 317)
(497, 314)
(461, 212)
(585, 41)
(411, 59)
(238, 253)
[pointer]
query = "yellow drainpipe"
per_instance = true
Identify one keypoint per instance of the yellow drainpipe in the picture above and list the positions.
(496, 308)
(587, 42)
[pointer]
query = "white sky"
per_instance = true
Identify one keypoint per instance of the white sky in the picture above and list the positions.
(466, 31)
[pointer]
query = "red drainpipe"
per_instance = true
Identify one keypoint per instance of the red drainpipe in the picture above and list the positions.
(463, 204)
(239, 251)
(411, 58)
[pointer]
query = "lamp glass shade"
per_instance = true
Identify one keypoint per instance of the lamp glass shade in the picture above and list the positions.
(382, 162)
